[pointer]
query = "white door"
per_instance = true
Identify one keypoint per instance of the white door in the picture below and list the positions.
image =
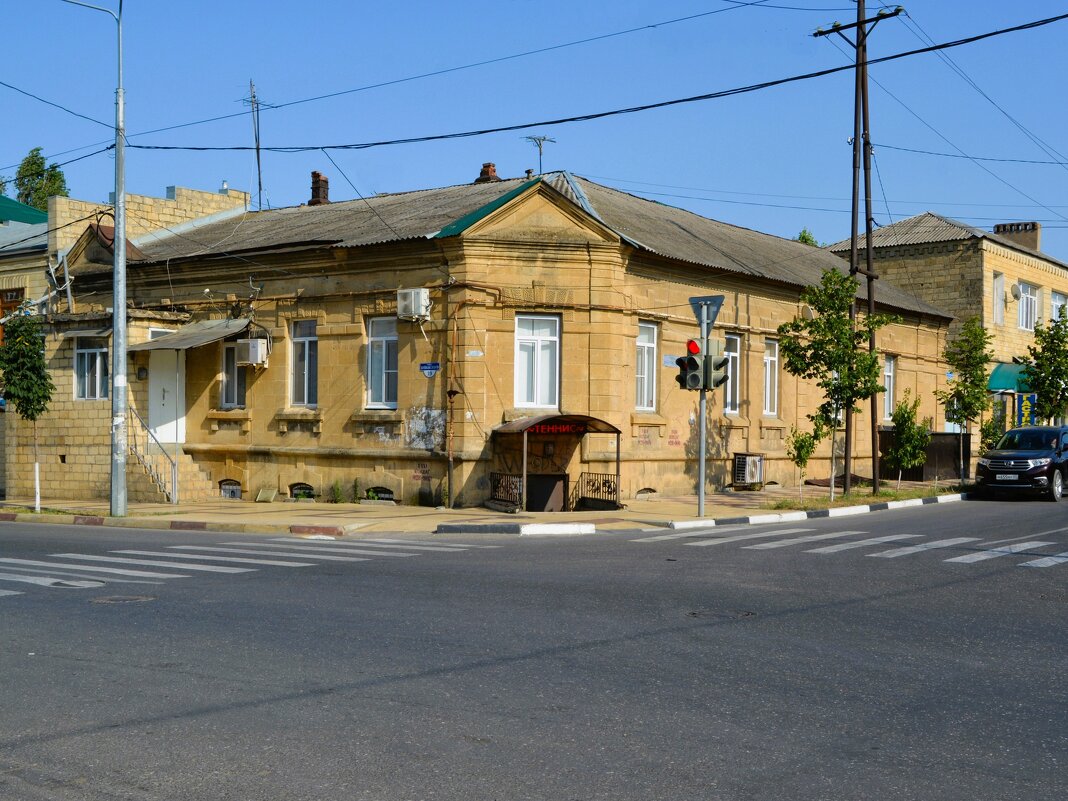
(166, 395)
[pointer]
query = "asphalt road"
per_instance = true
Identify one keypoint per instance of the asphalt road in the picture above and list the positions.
(815, 666)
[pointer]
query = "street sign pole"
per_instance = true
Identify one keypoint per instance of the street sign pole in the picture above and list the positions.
(703, 418)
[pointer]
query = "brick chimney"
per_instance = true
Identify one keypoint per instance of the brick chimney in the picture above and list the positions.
(1027, 234)
(320, 193)
(488, 174)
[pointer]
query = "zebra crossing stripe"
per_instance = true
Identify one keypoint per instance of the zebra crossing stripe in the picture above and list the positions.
(323, 548)
(234, 559)
(993, 553)
(251, 552)
(685, 534)
(9, 592)
(800, 540)
(924, 546)
(845, 546)
(46, 581)
(445, 546)
(740, 537)
(1047, 561)
(116, 570)
(154, 563)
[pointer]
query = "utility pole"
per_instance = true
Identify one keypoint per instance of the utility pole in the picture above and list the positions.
(861, 143)
(256, 135)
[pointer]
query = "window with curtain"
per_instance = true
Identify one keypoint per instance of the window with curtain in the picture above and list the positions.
(645, 368)
(305, 368)
(382, 363)
(537, 361)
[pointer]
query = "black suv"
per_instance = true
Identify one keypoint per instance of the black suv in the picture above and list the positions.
(1032, 459)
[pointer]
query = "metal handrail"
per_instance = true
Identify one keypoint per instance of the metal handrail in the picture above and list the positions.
(143, 459)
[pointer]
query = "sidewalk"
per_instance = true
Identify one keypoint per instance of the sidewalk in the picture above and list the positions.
(372, 519)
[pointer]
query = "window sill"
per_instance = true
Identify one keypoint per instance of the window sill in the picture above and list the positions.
(773, 422)
(647, 418)
(296, 416)
(377, 416)
(236, 415)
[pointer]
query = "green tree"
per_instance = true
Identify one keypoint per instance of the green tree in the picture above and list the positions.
(26, 383)
(1046, 372)
(807, 238)
(825, 346)
(908, 448)
(35, 182)
(800, 446)
(969, 355)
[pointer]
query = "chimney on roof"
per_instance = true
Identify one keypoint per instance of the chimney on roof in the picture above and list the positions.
(320, 193)
(488, 174)
(1027, 234)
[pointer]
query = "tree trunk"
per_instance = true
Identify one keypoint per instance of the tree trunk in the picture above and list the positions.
(833, 434)
(36, 473)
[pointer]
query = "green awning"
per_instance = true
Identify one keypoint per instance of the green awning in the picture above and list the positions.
(1008, 378)
(20, 212)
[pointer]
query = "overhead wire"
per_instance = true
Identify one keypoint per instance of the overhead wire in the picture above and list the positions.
(40, 99)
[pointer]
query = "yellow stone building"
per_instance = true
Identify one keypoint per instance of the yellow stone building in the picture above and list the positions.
(518, 336)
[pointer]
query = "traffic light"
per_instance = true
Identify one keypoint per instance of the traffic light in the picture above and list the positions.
(691, 366)
(716, 362)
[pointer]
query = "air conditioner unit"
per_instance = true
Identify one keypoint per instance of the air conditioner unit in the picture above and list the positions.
(252, 351)
(413, 304)
(748, 470)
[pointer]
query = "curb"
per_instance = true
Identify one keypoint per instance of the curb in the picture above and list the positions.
(163, 524)
(523, 530)
(840, 511)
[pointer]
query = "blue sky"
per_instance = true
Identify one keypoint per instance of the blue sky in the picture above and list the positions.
(775, 160)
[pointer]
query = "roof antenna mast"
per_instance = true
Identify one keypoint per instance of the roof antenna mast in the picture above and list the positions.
(539, 142)
(256, 135)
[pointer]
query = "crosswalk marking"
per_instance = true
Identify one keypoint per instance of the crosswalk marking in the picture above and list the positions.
(447, 546)
(116, 570)
(799, 540)
(683, 535)
(75, 574)
(1048, 561)
(155, 563)
(46, 581)
(252, 552)
(845, 546)
(993, 553)
(10, 592)
(740, 537)
(234, 559)
(925, 546)
(322, 548)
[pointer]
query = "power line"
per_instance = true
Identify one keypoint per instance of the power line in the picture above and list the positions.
(972, 158)
(55, 105)
(630, 110)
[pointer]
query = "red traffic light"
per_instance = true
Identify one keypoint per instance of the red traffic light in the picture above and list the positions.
(693, 347)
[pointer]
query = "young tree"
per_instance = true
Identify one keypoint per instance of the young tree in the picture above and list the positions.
(833, 352)
(26, 383)
(908, 448)
(807, 238)
(967, 396)
(1047, 370)
(35, 182)
(800, 446)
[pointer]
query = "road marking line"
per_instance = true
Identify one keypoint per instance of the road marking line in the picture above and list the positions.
(45, 581)
(683, 535)
(1049, 561)
(266, 553)
(993, 553)
(926, 546)
(10, 592)
(235, 559)
(74, 574)
(116, 570)
(322, 548)
(454, 546)
(155, 563)
(800, 540)
(739, 537)
(845, 546)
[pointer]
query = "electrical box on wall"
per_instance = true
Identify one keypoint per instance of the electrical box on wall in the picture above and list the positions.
(413, 304)
(252, 351)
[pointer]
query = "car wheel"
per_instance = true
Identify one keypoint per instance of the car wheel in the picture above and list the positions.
(1056, 486)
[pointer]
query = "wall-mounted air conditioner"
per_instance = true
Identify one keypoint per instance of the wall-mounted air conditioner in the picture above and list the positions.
(413, 304)
(252, 351)
(748, 470)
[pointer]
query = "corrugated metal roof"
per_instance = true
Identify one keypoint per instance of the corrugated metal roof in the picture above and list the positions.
(20, 212)
(16, 237)
(647, 225)
(194, 335)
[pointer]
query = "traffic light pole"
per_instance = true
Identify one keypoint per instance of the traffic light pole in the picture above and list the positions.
(703, 418)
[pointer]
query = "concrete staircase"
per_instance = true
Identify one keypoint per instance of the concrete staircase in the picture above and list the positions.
(148, 478)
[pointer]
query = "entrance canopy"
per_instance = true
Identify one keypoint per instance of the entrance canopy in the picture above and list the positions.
(557, 424)
(1008, 378)
(194, 335)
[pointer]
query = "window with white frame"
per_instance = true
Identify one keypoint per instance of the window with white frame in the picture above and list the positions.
(889, 371)
(304, 375)
(1028, 304)
(1057, 303)
(771, 377)
(645, 368)
(733, 351)
(537, 361)
(232, 394)
(999, 299)
(382, 363)
(91, 368)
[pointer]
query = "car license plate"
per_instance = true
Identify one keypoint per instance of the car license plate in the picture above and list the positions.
(1006, 476)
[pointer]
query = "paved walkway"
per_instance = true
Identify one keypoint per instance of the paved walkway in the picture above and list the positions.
(368, 519)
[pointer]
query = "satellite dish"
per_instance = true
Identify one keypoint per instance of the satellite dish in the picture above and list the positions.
(1015, 290)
